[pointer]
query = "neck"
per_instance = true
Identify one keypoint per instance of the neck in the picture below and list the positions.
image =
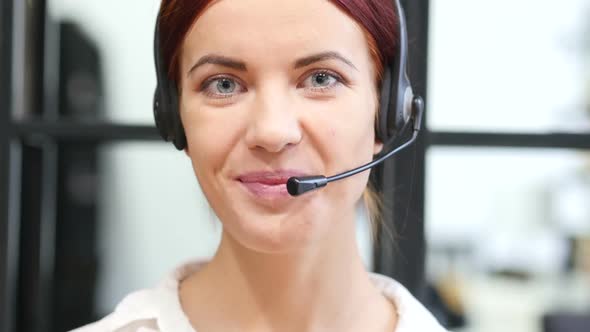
(322, 287)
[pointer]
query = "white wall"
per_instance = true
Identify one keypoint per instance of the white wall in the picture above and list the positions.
(508, 65)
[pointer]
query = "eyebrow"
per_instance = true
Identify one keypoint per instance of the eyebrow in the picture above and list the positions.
(331, 55)
(218, 60)
(241, 66)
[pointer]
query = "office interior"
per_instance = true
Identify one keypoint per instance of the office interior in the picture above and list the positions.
(491, 207)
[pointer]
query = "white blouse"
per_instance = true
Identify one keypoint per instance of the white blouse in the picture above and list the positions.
(158, 309)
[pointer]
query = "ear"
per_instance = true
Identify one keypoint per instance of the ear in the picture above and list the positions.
(378, 147)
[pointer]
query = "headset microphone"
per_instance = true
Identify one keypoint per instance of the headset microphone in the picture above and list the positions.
(299, 185)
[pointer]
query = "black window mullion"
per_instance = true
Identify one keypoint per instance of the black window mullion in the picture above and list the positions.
(10, 170)
(401, 179)
(85, 131)
(47, 240)
(37, 236)
(8, 244)
(533, 140)
(28, 290)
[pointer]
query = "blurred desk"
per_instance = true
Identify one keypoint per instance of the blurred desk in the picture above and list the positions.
(497, 303)
(566, 323)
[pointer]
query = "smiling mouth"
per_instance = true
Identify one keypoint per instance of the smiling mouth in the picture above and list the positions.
(268, 185)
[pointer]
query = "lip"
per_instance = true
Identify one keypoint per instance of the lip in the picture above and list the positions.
(268, 185)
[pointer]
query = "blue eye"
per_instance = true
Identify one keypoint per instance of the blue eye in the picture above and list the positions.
(221, 87)
(225, 85)
(322, 80)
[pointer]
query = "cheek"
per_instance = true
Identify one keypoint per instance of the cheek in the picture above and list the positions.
(208, 151)
(352, 136)
(347, 142)
(211, 135)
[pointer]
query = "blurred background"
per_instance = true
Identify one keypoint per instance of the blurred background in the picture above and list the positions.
(491, 207)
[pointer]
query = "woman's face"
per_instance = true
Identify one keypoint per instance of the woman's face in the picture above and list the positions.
(272, 89)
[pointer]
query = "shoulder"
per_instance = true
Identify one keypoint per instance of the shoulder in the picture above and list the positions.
(133, 326)
(413, 316)
(156, 309)
(136, 313)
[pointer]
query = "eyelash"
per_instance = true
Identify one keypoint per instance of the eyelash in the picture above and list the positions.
(207, 83)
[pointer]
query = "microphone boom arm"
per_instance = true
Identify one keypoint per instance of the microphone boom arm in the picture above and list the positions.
(299, 185)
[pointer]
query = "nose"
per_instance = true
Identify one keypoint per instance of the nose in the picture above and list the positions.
(273, 125)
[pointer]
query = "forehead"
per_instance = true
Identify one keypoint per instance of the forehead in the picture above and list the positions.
(276, 29)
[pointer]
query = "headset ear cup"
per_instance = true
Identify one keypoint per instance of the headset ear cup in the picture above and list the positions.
(159, 117)
(391, 115)
(179, 138)
(396, 91)
(400, 119)
(167, 117)
(395, 107)
(165, 103)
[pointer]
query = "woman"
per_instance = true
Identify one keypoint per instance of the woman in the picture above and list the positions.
(268, 90)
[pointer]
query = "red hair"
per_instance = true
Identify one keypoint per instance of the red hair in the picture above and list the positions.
(377, 18)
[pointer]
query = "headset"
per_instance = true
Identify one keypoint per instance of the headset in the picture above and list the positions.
(396, 94)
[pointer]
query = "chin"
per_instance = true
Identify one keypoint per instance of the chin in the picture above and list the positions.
(275, 233)
(285, 225)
